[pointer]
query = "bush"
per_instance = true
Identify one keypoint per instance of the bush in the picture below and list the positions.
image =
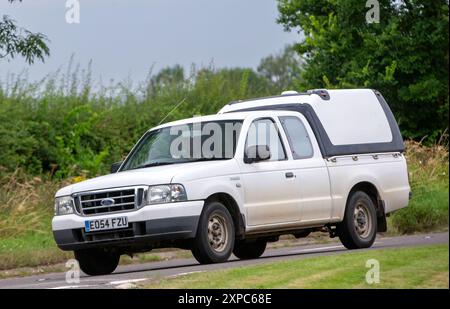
(62, 126)
(428, 173)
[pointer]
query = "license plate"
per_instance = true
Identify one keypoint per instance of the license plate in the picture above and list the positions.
(105, 224)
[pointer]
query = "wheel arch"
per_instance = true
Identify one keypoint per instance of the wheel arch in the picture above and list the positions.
(230, 203)
(373, 192)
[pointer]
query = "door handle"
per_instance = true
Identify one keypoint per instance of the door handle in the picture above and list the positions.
(289, 175)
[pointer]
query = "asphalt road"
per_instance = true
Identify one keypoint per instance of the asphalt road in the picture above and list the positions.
(126, 276)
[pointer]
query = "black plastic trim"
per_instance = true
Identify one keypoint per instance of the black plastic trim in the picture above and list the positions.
(323, 93)
(154, 231)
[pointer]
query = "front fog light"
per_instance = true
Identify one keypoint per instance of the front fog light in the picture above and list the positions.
(166, 194)
(63, 205)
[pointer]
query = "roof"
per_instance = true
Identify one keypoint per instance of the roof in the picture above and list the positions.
(313, 97)
(215, 117)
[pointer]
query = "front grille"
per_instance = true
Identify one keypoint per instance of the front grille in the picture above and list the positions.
(90, 203)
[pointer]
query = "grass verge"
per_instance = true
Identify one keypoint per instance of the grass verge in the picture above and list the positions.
(428, 169)
(428, 269)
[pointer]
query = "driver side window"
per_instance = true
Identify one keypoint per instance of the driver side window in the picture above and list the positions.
(265, 132)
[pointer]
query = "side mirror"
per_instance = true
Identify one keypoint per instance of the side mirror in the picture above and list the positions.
(115, 166)
(256, 153)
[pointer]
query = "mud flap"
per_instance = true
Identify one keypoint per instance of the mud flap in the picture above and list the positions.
(381, 218)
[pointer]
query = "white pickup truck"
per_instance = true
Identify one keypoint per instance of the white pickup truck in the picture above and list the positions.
(229, 183)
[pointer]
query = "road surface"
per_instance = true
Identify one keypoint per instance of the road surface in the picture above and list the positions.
(127, 275)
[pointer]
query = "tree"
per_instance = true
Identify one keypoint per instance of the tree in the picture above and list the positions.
(15, 40)
(405, 55)
(282, 70)
(169, 76)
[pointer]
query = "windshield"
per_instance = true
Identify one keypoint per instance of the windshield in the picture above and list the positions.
(201, 141)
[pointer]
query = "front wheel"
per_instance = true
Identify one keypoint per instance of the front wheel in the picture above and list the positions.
(359, 227)
(96, 262)
(245, 250)
(215, 235)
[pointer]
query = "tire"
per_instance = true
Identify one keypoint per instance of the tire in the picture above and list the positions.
(96, 262)
(246, 250)
(359, 227)
(214, 240)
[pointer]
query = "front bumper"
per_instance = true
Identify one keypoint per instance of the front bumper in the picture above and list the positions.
(146, 226)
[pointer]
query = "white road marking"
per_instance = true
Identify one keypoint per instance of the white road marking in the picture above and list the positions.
(127, 281)
(316, 249)
(186, 273)
(72, 286)
(126, 286)
(323, 248)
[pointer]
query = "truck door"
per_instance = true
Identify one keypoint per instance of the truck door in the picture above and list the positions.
(271, 193)
(310, 169)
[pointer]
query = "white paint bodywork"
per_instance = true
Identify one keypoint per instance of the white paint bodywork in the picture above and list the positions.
(315, 196)
(353, 117)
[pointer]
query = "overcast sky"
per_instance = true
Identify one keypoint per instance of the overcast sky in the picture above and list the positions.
(124, 38)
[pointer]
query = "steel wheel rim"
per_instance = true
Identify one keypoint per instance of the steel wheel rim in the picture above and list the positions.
(362, 220)
(217, 232)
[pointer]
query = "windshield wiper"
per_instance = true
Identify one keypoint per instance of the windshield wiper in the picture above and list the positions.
(177, 162)
(152, 164)
(205, 159)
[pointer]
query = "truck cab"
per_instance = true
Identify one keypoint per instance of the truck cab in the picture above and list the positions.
(232, 182)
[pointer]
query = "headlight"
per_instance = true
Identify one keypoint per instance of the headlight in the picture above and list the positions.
(63, 205)
(166, 194)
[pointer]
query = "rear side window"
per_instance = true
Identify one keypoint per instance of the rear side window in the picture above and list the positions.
(297, 136)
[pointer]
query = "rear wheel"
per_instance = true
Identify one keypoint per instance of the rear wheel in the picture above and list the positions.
(359, 227)
(214, 241)
(253, 249)
(95, 262)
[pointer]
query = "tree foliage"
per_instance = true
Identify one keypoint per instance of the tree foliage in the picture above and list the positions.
(15, 40)
(405, 55)
(65, 125)
(282, 69)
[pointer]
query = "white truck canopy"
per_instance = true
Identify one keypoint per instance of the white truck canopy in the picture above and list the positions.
(346, 121)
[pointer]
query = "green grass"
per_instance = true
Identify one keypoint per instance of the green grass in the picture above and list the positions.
(418, 267)
(30, 250)
(428, 173)
(427, 211)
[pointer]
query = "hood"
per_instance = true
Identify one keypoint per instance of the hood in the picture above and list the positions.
(144, 176)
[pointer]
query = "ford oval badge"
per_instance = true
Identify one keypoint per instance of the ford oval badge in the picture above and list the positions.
(107, 202)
